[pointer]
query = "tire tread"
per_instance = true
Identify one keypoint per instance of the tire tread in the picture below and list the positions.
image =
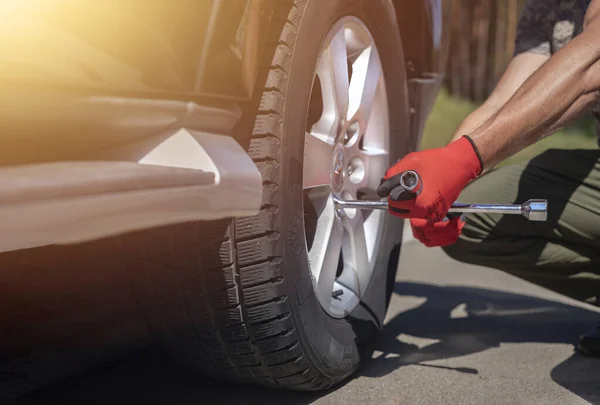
(237, 318)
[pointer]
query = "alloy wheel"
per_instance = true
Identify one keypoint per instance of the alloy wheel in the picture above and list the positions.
(346, 153)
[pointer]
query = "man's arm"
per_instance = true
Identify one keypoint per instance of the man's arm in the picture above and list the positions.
(558, 92)
(520, 69)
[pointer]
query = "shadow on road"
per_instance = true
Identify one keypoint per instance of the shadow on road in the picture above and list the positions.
(466, 320)
(459, 320)
(147, 377)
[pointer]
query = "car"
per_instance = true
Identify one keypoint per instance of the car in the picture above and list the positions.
(209, 137)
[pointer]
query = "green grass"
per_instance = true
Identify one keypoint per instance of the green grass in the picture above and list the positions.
(448, 113)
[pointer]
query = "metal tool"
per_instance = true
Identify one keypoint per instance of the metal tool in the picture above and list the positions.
(410, 182)
(533, 210)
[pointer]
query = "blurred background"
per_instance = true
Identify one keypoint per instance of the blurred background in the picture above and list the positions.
(483, 36)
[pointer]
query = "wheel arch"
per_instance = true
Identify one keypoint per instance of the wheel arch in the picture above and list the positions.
(424, 27)
(426, 23)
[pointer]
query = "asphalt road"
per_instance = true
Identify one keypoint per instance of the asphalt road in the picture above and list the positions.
(455, 334)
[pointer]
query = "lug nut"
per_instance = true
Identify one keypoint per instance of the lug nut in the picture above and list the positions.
(356, 170)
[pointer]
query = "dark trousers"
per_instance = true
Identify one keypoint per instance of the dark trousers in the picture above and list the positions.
(562, 254)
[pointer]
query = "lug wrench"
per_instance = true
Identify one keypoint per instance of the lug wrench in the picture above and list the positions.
(533, 210)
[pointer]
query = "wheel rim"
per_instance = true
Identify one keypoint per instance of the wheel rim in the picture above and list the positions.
(346, 152)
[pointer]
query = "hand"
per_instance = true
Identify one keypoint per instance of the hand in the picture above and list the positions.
(442, 233)
(443, 172)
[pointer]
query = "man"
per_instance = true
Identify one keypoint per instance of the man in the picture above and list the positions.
(553, 79)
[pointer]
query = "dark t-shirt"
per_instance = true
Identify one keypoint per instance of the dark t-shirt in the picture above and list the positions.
(546, 26)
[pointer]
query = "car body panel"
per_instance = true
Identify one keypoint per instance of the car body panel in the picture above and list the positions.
(113, 80)
(190, 176)
(193, 48)
(155, 49)
(425, 31)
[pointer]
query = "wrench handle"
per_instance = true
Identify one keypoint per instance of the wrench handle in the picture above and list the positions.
(534, 210)
(486, 208)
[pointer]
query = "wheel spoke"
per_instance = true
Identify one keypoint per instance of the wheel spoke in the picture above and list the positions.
(317, 157)
(357, 272)
(333, 73)
(325, 255)
(376, 162)
(366, 72)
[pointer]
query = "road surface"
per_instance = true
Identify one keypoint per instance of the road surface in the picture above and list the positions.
(455, 334)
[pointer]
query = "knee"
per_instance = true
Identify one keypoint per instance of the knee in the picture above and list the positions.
(472, 245)
(462, 251)
(473, 253)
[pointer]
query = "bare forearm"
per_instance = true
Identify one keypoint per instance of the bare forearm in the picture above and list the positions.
(479, 117)
(576, 110)
(559, 91)
(474, 121)
(518, 71)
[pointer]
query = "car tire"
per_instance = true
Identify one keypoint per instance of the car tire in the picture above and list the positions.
(235, 299)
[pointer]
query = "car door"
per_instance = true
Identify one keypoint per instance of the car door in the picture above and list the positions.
(179, 47)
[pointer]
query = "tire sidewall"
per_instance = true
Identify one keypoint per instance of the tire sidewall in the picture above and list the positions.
(336, 346)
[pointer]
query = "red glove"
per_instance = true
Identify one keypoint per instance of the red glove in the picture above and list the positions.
(443, 173)
(442, 233)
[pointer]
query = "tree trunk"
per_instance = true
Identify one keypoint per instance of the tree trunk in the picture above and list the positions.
(481, 29)
(482, 44)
